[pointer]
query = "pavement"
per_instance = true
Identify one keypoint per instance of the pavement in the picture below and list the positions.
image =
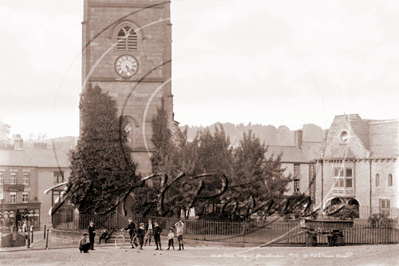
(38, 236)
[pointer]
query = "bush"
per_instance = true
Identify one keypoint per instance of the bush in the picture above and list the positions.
(380, 220)
(347, 212)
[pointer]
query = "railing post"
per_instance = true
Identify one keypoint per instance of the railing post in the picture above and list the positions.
(33, 232)
(28, 237)
(245, 229)
(47, 239)
(44, 232)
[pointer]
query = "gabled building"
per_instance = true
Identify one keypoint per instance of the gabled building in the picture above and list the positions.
(24, 176)
(299, 161)
(358, 164)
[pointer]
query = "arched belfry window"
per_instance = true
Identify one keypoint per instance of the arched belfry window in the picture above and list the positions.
(127, 39)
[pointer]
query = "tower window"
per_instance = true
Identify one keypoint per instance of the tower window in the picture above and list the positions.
(128, 128)
(127, 39)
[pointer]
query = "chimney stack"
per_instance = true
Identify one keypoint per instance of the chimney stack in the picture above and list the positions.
(298, 138)
(18, 142)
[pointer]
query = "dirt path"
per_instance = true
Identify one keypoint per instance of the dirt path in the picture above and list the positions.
(206, 255)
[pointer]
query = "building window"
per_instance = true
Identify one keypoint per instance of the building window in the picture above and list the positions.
(25, 197)
(13, 197)
(296, 185)
(26, 179)
(377, 180)
(13, 179)
(390, 180)
(1, 178)
(385, 206)
(127, 39)
(348, 177)
(57, 195)
(58, 177)
(339, 177)
(296, 169)
(343, 177)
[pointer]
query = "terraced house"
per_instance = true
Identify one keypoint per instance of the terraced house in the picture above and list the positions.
(299, 161)
(24, 176)
(358, 165)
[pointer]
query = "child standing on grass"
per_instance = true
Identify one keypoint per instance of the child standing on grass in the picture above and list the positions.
(179, 232)
(141, 234)
(171, 235)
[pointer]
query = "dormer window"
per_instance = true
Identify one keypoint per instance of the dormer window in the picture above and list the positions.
(127, 39)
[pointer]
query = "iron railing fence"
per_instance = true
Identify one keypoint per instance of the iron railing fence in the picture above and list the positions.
(233, 232)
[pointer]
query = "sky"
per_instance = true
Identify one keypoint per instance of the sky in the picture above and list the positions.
(266, 62)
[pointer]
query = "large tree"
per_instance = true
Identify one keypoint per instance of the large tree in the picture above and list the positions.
(174, 155)
(255, 179)
(4, 140)
(221, 182)
(101, 166)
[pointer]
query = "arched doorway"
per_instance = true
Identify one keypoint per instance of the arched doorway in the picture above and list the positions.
(355, 204)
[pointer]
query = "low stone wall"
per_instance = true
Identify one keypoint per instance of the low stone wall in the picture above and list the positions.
(66, 238)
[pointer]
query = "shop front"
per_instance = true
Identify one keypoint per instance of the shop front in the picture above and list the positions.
(12, 216)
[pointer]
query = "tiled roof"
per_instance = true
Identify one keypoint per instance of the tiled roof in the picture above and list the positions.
(379, 137)
(291, 154)
(34, 158)
(340, 153)
(311, 149)
(384, 138)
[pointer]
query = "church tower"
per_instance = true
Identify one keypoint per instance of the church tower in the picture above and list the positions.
(127, 52)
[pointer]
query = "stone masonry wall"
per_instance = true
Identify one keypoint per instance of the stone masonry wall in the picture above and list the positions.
(153, 29)
(383, 191)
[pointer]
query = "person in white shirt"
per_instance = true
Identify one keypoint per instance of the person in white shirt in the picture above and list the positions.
(179, 232)
(149, 232)
(171, 235)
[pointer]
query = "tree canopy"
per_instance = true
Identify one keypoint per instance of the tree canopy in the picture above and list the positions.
(218, 180)
(101, 165)
(4, 140)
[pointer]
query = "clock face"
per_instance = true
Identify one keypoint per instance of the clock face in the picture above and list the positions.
(126, 66)
(344, 136)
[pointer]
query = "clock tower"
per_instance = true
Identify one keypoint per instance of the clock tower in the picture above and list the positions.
(127, 52)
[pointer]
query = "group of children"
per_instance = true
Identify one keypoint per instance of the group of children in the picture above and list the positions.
(144, 232)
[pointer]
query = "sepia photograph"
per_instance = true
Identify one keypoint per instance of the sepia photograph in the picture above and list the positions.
(199, 132)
